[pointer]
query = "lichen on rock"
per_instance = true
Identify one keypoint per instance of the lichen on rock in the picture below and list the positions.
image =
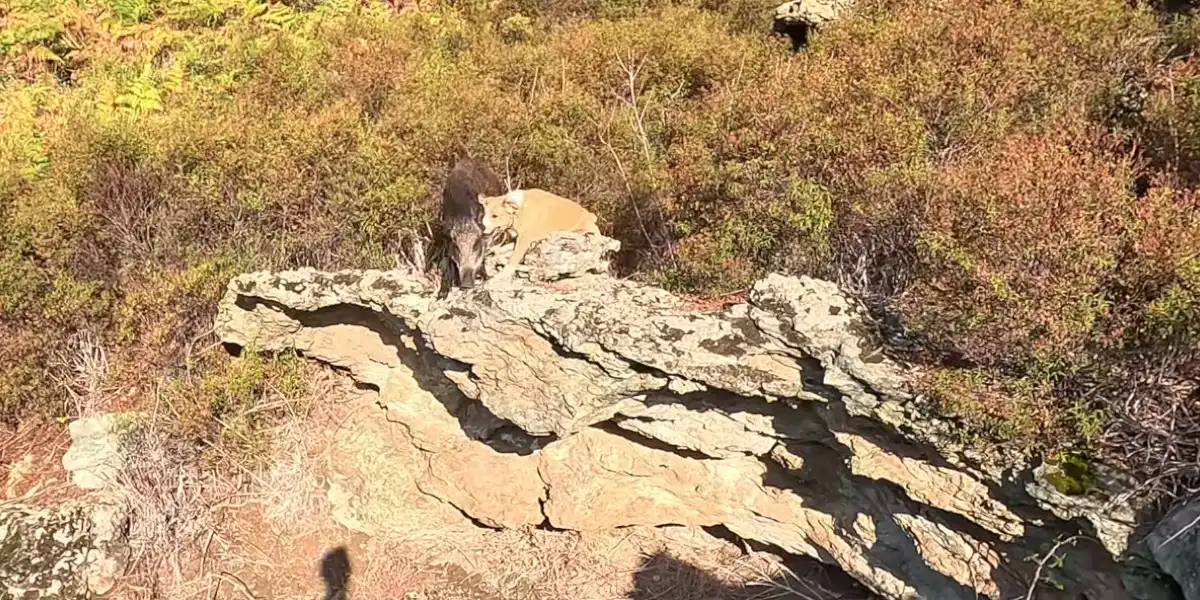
(70, 552)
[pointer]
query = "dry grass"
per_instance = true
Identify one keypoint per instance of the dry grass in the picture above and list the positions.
(778, 581)
(181, 494)
(171, 505)
(638, 563)
(86, 373)
(31, 465)
(1156, 429)
(291, 486)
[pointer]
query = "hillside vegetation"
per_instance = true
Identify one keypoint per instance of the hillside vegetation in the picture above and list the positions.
(1011, 185)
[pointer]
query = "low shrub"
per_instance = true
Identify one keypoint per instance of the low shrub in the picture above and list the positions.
(232, 402)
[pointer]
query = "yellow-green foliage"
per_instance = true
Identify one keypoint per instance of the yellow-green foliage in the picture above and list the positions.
(1020, 412)
(236, 399)
(971, 162)
(1071, 475)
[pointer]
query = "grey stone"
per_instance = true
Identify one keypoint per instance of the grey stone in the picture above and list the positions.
(95, 456)
(1105, 506)
(709, 432)
(1175, 546)
(1145, 580)
(561, 255)
(70, 552)
(812, 12)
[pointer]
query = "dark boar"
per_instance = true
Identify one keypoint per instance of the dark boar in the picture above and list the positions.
(462, 221)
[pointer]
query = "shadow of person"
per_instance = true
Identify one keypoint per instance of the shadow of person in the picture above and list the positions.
(335, 572)
(662, 576)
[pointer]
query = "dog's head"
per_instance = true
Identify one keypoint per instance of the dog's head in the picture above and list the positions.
(499, 212)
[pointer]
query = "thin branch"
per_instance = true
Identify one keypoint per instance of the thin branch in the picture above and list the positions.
(639, 111)
(1183, 530)
(1037, 575)
(238, 583)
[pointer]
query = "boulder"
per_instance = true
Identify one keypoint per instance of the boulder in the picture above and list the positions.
(562, 256)
(1174, 544)
(811, 12)
(73, 551)
(95, 456)
(566, 397)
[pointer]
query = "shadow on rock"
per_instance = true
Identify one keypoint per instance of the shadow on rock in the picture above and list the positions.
(335, 572)
(664, 577)
(430, 370)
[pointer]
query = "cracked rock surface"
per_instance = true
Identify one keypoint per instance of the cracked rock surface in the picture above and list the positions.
(577, 400)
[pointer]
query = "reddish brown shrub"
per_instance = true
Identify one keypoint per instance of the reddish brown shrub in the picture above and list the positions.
(1024, 233)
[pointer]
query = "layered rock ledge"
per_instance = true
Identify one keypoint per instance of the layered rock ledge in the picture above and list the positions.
(572, 399)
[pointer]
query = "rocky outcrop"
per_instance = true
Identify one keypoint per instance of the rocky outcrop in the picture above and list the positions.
(796, 19)
(811, 12)
(78, 548)
(70, 552)
(569, 398)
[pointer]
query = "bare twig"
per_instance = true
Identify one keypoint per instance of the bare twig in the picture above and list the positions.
(35, 492)
(14, 440)
(411, 255)
(204, 553)
(1156, 424)
(1037, 575)
(238, 583)
(87, 367)
(1181, 531)
(784, 584)
(636, 108)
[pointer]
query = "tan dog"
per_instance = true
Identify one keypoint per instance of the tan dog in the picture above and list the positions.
(533, 214)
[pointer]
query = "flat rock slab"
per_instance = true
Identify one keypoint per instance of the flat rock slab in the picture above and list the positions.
(95, 457)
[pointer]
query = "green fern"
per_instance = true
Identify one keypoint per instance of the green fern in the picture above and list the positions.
(252, 9)
(206, 13)
(141, 96)
(174, 78)
(37, 159)
(279, 16)
(19, 36)
(132, 11)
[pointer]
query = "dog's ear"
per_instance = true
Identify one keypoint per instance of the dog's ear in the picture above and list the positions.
(515, 198)
(483, 200)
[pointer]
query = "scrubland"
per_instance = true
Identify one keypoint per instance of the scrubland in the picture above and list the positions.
(1010, 186)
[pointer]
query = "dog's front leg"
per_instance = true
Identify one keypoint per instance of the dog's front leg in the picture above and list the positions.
(519, 251)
